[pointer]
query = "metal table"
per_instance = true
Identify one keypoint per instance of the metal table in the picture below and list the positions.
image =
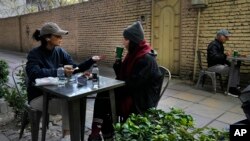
(75, 96)
(232, 68)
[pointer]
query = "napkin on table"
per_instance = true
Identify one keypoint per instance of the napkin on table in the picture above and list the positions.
(46, 81)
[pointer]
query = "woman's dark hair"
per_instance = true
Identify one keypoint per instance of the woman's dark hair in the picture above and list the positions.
(36, 36)
(132, 46)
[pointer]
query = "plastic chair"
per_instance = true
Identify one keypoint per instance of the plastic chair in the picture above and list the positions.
(167, 77)
(29, 114)
(204, 72)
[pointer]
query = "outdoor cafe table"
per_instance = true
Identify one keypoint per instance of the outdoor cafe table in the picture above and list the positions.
(234, 61)
(76, 99)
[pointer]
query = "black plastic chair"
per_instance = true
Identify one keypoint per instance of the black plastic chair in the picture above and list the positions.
(167, 77)
(204, 72)
(30, 115)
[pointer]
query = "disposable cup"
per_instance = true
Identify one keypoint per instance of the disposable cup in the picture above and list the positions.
(119, 51)
(70, 67)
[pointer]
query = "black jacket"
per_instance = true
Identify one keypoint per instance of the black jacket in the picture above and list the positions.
(215, 54)
(44, 63)
(145, 84)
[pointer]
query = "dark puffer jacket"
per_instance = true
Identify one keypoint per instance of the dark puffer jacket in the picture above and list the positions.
(143, 86)
(215, 54)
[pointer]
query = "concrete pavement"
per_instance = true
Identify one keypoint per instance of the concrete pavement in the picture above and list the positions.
(208, 109)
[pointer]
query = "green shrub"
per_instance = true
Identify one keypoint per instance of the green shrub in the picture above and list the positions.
(3, 77)
(157, 125)
(11, 95)
(17, 100)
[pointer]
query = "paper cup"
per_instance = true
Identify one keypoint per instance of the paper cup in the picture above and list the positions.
(69, 67)
(119, 51)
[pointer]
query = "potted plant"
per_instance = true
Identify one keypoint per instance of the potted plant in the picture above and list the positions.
(157, 125)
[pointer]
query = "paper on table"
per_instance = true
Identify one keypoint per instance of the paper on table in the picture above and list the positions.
(46, 81)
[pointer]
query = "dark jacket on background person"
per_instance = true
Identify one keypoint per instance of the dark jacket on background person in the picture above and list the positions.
(215, 54)
(44, 63)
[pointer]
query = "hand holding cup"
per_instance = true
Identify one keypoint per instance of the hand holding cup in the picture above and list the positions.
(98, 57)
(228, 53)
(68, 70)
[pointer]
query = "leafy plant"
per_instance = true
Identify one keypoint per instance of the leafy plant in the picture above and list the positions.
(17, 98)
(3, 77)
(157, 125)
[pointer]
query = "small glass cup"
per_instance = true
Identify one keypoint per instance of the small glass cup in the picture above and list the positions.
(70, 68)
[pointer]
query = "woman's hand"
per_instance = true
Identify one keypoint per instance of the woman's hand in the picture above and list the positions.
(87, 74)
(68, 70)
(228, 53)
(98, 57)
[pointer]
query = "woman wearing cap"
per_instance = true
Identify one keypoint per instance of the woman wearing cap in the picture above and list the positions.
(43, 61)
(143, 78)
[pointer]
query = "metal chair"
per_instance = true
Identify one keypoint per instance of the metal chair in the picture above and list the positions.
(29, 114)
(204, 72)
(167, 77)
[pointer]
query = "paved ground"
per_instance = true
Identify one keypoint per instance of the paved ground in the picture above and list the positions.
(208, 109)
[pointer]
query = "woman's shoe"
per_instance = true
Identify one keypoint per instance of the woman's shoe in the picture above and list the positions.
(233, 91)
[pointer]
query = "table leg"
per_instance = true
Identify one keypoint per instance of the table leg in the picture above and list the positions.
(113, 107)
(231, 71)
(44, 114)
(82, 116)
(74, 120)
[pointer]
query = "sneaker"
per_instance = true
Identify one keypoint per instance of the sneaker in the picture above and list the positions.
(66, 138)
(233, 95)
(95, 138)
(234, 92)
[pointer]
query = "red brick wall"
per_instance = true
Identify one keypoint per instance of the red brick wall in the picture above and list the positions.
(100, 27)
(65, 17)
(96, 27)
(9, 34)
(233, 15)
(187, 39)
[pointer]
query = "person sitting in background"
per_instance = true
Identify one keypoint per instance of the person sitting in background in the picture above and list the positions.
(142, 77)
(43, 61)
(217, 61)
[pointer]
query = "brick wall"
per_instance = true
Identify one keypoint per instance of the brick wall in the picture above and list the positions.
(96, 27)
(100, 27)
(10, 34)
(233, 15)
